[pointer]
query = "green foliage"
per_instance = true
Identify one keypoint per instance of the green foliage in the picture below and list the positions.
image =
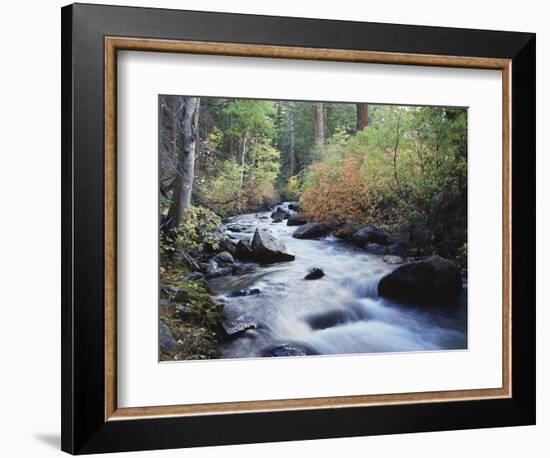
(293, 187)
(407, 167)
(242, 178)
(199, 228)
(194, 324)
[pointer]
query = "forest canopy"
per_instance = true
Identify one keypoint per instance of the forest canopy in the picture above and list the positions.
(399, 166)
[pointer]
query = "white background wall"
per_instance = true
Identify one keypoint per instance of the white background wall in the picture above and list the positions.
(30, 241)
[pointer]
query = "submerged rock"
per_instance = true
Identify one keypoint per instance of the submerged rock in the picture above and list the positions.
(369, 234)
(235, 228)
(286, 350)
(328, 319)
(266, 248)
(311, 231)
(314, 274)
(296, 220)
(243, 292)
(429, 280)
(166, 340)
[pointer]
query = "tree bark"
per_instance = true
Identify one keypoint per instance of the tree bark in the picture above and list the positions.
(362, 116)
(319, 124)
(291, 150)
(185, 169)
(243, 162)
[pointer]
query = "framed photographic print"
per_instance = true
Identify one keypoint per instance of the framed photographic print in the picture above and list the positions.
(281, 228)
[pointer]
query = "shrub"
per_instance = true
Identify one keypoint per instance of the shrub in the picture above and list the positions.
(198, 229)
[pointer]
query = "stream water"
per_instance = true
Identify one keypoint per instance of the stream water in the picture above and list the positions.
(340, 313)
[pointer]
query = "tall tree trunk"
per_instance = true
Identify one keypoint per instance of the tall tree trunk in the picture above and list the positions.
(362, 116)
(319, 124)
(243, 157)
(291, 151)
(185, 169)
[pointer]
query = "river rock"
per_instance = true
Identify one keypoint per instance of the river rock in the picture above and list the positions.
(243, 251)
(328, 319)
(345, 231)
(229, 245)
(266, 248)
(391, 259)
(235, 329)
(369, 234)
(311, 231)
(166, 340)
(242, 292)
(294, 206)
(181, 296)
(224, 258)
(285, 350)
(214, 270)
(193, 276)
(375, 248)
(398, 249)
(235, 228)
(432, 279)
(314, 274)
(296, 220)
(279, 214)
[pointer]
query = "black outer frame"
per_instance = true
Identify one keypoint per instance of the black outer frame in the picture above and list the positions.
(84, 429)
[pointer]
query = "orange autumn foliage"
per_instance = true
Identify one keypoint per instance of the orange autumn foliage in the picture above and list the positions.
(337, 193)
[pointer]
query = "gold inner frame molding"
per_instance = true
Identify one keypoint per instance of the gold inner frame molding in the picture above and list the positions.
(114, 44)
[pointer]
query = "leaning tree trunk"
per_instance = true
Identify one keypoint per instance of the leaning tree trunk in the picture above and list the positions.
(319, 124)
(362, 116)
(185, 168)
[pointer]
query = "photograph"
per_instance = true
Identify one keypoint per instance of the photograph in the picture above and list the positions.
(305, 228)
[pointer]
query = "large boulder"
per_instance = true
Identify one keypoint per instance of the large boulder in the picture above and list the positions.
(166, 340)
(369, 234)
(296, 220)
(430, 280)
(311, 231)
(266, 248)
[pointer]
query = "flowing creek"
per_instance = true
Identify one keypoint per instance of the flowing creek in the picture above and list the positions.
(340, 313)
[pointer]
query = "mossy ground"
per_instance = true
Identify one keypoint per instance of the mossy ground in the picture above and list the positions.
(195, 323)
